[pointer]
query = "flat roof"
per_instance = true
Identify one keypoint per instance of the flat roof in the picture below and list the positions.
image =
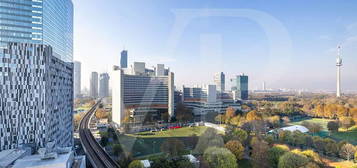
(36, 161)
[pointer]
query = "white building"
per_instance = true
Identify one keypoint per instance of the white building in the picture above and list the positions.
(203, 100)
(77, 79)
(292, 129)
(93, 90)
(36, 97)
(104, 85)
(140, 92)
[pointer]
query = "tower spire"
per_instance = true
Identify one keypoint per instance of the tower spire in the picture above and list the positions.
(338, 65)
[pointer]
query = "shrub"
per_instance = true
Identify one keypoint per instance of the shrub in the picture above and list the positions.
(136, 164)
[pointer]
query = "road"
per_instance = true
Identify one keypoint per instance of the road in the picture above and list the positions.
(94, 152)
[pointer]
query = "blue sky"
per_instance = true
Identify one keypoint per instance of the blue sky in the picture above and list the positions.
(302, 57)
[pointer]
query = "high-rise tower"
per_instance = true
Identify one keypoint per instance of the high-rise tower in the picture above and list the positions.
(338, 64)
(124, 59)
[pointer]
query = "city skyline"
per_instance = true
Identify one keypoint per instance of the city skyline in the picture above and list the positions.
(235, 49)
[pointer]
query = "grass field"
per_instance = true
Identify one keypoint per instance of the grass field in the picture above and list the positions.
(180, 132)
(350, 136)
(320, 121)
(148, 143)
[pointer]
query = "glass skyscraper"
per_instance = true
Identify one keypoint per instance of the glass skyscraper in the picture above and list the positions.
(242, 86)
(48, 22)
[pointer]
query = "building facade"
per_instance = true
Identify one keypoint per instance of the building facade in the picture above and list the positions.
(36, 73)
(77, 78)
(220, 81)
(104, 85)
(93, 90)
(124, 59)
(140, 93)
(36, 97)
(48, 22)
(204, 99)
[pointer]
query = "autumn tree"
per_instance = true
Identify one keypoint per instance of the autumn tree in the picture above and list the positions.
(230, 113)
(253, 115)
(233, 133)
(259, 153)
(101, 113)
(347, 151)
(346, 122)
(236, 148)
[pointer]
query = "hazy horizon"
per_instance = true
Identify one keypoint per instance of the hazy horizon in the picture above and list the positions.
(290, 44)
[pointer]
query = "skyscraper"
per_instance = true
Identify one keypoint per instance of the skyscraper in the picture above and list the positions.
(124, 59)
(48, 22)
(242, 86)
(36, 73)
(220, 81)
(77, 79)
(93, 90)
(104, 85)
(338, 65)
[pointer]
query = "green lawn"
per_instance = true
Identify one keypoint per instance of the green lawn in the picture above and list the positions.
(320, 121)
(147, 143)
(350, 136)
(180, 132)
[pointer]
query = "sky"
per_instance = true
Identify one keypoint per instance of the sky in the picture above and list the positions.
(286, 44)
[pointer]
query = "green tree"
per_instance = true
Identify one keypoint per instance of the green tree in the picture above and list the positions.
(233, 133)
(183, 114)
(210, 138)
(275, 153)
(136, 164)
(117, 149)
(292, 160)
(220, 158)
(333, 126)
(184, 162)
(236, 148)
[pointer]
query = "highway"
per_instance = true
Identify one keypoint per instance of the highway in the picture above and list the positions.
(98, 157)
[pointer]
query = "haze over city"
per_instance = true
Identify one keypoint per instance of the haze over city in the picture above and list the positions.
(220, 43)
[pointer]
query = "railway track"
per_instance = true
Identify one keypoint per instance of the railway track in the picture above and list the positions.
(98, 157)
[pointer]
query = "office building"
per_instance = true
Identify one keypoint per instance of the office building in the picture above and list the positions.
(77, 79)
(104, 85)
(140, 92)
(36, 97)
(124, 59)
(204, 99)
(36, 73)
(93, 90)
(241, 91)
(48, 22)
(220, 81)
